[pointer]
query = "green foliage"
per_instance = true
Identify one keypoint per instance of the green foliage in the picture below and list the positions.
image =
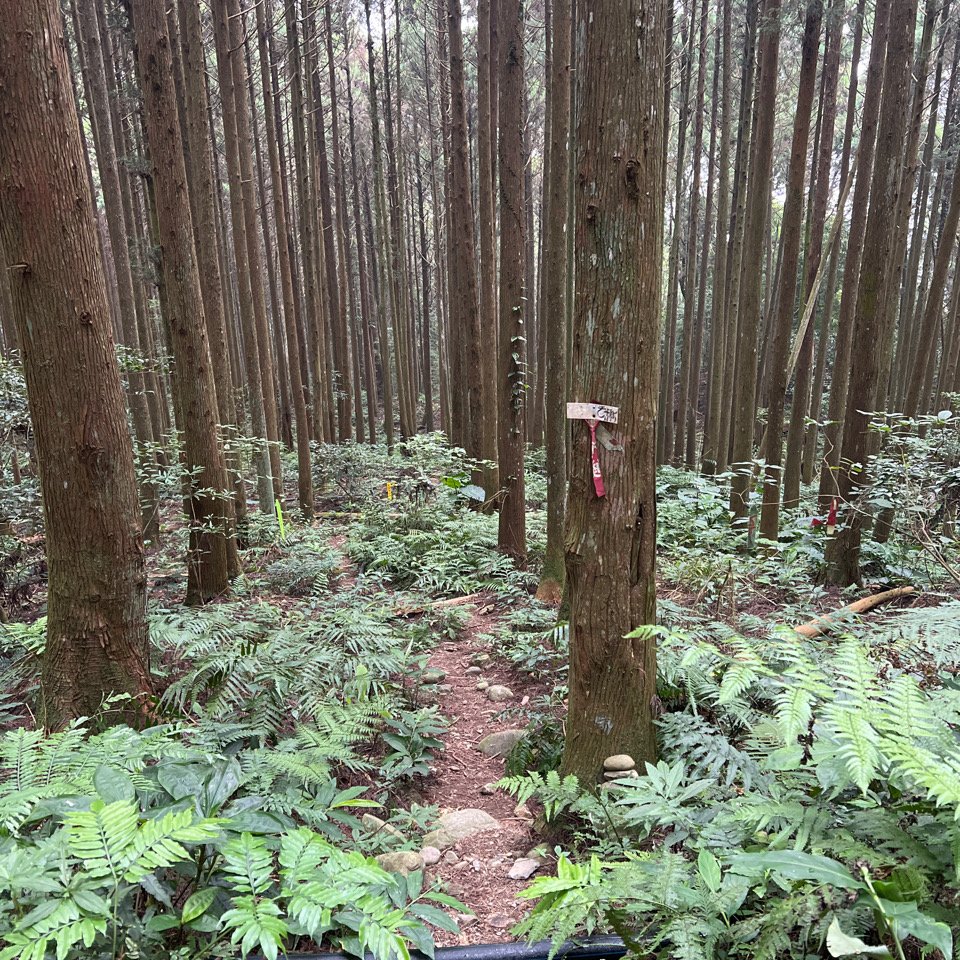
(307, 567)
(181, 840)
(441, 553)
(412, 737)
(802, 784)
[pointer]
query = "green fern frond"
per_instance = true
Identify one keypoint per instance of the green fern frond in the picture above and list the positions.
(249, 864)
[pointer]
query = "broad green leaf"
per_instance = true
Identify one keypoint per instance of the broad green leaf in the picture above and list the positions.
(793, 865)
(197, 904)
(709, 869)
(840, 944)
(112, 784)
(907, 920)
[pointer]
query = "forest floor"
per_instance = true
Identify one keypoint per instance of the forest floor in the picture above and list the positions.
(403, 597)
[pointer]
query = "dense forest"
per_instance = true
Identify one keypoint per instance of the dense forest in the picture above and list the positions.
(479, 470)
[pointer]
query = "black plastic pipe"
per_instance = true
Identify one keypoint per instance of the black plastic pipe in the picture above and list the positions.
(587, 948)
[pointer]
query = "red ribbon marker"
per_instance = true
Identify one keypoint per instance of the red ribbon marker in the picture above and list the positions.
(595, 459)
(594, 414)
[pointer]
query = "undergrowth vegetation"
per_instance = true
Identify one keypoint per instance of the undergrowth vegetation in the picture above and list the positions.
(805, 799)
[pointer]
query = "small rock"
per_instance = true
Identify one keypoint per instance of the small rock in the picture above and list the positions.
(479, 659)
(432, 675)
(443, 688)
(465, 919)
(459, 824)
(524, 701)
(482, 685)
(431, 855)
(522, 811)
(451, 856)
(488, 788)
(472, 671)
(405, 862)
(501, 743)
(620, 761)
(500, 920)
(620, 774)
(477, 866)
(377, 825)
(523, 869)
(498, 693)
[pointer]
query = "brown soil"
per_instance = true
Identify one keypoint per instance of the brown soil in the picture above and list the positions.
(479, 876)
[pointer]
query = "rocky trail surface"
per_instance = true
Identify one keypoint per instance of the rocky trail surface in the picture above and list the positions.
(487, 842)
(484, 849)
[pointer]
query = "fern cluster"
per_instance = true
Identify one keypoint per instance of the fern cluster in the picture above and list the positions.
(801, 784)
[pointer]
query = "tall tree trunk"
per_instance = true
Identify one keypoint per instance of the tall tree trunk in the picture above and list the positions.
(203, 213)
(395, 239)
(242, 112)
(611, 541)
(849, 291)
(748, 326)
(336, 295)
(304, 472)
(438, 245)
(690, 282)
(119, 246)
(379, 203)
(820, 191)
(933, 312)
(791, 232)
(366, 323)
(554, 280)
(826, 317)
(738, 219)
(465, 309)
(487, 65)
(843, 552)
(257, 403)
(718, 322)
(667, 377)
(511, 436)
(349, 308)
(313, 312)
(96, 634)
(208, 502)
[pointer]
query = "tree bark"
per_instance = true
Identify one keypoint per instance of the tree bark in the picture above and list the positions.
(304, 472)
(511, 435)
(791, 231)
(208, 502)
(553, 326)
(611, 541)
(748, 327)
(840, 380)
(97, 640)
(465, 308)
(843, 552)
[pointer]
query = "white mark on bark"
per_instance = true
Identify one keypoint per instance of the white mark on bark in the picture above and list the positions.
(604, 723)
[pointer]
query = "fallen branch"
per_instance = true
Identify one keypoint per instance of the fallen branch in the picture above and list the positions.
(821, 624)
(438, 604)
